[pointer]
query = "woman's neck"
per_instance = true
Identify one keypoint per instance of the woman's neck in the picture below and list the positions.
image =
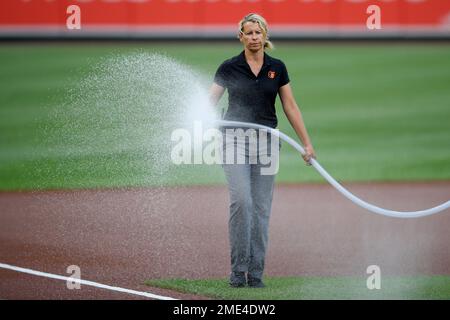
(256, 57)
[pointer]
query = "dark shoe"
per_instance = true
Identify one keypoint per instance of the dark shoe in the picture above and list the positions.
(255, 283)
(237, 279)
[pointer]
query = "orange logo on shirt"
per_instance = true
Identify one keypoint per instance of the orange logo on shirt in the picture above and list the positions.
(271, 74)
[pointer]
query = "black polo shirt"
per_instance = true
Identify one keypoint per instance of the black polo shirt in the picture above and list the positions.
(251, 98)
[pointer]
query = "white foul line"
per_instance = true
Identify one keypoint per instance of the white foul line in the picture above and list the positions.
(84, 282)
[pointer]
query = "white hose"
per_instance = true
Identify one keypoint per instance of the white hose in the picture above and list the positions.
(332, 181)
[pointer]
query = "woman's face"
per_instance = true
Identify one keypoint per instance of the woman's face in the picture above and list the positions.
(252, 36)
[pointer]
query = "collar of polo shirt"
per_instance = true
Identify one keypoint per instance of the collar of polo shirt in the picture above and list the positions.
(243, 62)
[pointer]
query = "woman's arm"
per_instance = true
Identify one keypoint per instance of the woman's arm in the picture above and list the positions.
(215, 93)
(294, 116)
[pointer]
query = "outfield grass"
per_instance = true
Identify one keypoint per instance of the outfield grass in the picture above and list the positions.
(306, 288)
(374, 113)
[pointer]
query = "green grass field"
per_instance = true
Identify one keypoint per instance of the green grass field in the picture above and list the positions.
(307, 288)
(374, 113)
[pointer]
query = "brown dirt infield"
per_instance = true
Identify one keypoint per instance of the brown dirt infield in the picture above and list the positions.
(122, 237)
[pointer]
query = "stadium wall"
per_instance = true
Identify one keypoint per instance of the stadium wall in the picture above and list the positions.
(197, 19)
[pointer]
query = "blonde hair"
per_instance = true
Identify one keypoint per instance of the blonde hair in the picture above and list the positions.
(256, 18)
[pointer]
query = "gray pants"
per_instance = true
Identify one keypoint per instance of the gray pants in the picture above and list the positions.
(250, 205)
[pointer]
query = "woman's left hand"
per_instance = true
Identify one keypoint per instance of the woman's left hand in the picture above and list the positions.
(309, 153)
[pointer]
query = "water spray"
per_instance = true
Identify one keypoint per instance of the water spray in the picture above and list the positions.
(107, 102)
(332, 181)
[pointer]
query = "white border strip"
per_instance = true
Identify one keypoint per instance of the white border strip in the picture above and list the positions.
(282, 31)
(84, 282)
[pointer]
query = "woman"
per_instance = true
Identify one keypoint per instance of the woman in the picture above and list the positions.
(253, 80)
